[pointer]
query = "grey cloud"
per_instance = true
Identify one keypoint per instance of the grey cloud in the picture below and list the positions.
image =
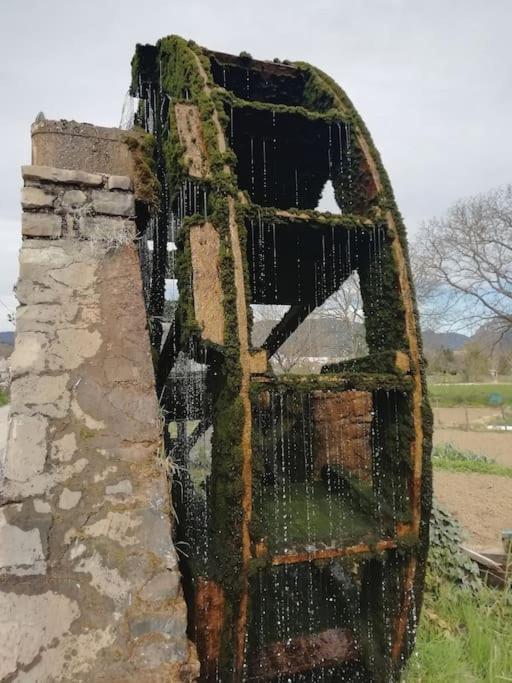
(432, 80)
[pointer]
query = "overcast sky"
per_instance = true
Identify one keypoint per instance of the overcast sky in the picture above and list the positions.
(433, 80)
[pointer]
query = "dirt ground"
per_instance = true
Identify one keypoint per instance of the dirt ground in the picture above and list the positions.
(462, 417)
(481, 502)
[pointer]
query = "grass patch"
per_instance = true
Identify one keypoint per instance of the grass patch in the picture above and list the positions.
(465, 629)
(450, 395)
(472, 466)
(464, 635)
(448, 457)
(4, 399)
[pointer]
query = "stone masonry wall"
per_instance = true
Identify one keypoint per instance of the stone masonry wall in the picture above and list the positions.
(89, 583)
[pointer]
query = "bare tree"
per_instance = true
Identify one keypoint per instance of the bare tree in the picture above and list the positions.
(462, 263)
(345, 340)
(293, 351)
(346, 307)
(292, 354)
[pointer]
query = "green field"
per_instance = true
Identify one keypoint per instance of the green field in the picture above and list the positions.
(3, 399)
(446, 395)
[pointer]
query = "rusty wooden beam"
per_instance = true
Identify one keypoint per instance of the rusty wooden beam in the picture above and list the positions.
(332, 553)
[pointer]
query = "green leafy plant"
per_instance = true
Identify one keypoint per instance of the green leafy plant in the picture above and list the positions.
(447, 457)
(446, 559)
(451, 452)
(466, 627)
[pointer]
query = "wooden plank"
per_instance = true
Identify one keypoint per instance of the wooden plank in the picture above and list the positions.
(303, 653)
(333, 553)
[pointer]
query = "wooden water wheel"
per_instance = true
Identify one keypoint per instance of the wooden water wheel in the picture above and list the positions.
(302, 496)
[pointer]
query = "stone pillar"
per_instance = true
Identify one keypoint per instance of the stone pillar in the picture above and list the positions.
(89, 583)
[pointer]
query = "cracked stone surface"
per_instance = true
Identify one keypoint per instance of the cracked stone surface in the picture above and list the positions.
(29, 623)
(89, 581)
(27, 447)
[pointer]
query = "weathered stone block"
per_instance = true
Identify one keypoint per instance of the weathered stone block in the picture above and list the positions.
(75, 145)
(26, 447)
(28, 354)
(119, 182)
(43, 394)
(72, 346)
(164, 586)
(69, 499)
(78, 276)
(44, 253)
(123, 488)
(42, 507)
(113, 203)
(117, 526)
(73, 199)
(21, 552)
(45, 317)
(171, 624)
(107, 581)
(161, 649)
(41, 225)
(63, 449)
(28, 625)
(61, 175)
(36, 198)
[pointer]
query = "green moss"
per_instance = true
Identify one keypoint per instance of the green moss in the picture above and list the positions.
(311, 518)
(331, 116)
(147, 187)
(314, 219)
(333, 382)
(381, 361)
(86, 433)
(187, 325)
(383, 310)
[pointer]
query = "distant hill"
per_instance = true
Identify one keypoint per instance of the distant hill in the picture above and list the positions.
(433, 341)
(489, 337)
(317, 337)
(6, 344)
(329, 337)
(7, 338)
